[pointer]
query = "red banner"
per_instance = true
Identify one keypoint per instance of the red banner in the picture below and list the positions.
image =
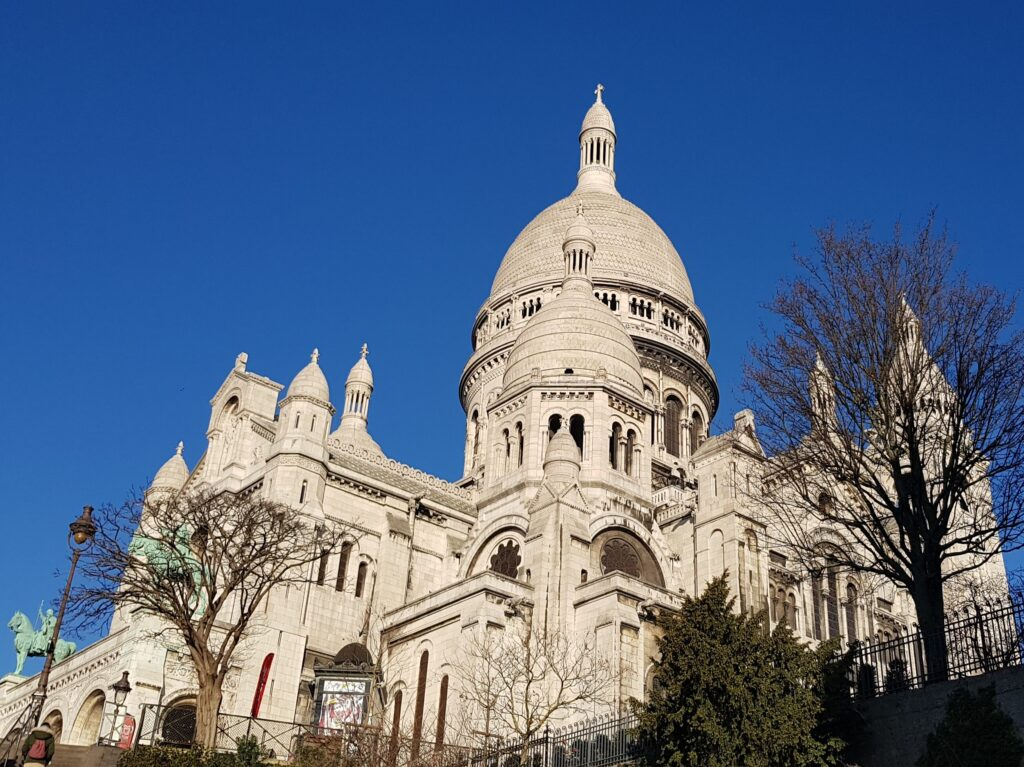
(127, 732)
(261, 685)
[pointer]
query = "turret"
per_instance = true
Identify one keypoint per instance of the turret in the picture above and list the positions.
(306, 409)
(358, 389)
(171, 477)
(578, 252)
(597, 148)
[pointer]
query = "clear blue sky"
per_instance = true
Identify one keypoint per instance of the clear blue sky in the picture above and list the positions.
(180, 182)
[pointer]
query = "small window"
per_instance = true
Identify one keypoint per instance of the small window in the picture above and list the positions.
(298, 417)
(346, 550)
(302, 492)
(312, 424)
(360, 579)
(577, 429)
(583, 576)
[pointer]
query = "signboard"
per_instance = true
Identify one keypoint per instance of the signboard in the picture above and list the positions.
(127, 732)
(341, 702)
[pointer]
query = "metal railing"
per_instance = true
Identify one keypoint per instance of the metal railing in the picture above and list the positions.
(976, 640)
(601, 742)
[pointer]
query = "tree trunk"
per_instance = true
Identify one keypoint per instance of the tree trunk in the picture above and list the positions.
(930, 605)
(208, 701)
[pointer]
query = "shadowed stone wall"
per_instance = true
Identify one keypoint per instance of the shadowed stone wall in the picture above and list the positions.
(899, 724)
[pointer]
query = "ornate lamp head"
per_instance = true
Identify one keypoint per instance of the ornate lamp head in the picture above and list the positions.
(83, 529)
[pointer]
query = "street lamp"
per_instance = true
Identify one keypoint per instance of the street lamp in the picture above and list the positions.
(121, 689)
(80, 535)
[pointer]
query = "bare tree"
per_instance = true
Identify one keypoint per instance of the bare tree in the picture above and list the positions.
(201, 563)
(891, 399)
(514, 681)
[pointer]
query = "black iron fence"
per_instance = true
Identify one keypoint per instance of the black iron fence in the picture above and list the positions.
(976, 641)
(601, 742)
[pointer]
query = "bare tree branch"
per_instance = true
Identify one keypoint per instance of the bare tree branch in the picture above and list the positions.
(891, 400)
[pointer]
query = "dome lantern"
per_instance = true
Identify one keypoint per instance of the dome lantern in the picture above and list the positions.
(597, 147)
(358, 388)
(578, 251)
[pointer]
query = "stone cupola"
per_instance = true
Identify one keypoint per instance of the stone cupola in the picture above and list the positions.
(597, 148)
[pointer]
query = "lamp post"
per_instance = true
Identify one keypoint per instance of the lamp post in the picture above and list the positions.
(121, 689)
(80, 535)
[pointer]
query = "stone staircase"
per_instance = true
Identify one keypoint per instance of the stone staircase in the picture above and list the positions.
(85, 756)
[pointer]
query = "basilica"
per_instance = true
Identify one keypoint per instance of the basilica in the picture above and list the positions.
(593, 496)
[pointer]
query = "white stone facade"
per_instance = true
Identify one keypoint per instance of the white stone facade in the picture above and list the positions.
(591, 327)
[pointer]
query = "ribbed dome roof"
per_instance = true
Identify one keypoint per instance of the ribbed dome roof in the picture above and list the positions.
(360, 372)
(631, 247)
(310, 382)
(174, 473)
(598, 116)
(575, 332)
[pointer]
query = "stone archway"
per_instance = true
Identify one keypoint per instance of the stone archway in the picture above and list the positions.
(55, 720)
(178, 725)
(86, 730)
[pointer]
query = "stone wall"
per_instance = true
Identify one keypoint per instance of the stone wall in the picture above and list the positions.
(898, 725)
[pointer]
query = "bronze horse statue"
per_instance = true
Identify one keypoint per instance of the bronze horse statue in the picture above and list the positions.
(31, 643)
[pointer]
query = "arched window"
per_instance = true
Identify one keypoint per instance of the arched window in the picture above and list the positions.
(619, 555)
(673, 416)
(421, 693)
(312, 423)
(613, 446)
(506, 439)
(629, 467)
(554, 424)
(832, 601)
(816, 605)
(442, 712)
(583, 576)
(361, 578)
(778, 603)
(519, 443)
(851, 613)
(696, 430)
(791, 615)
(506, 559)
(302, 492)
(396, 726)
(346, 551)
(576, 429)
(474, 437)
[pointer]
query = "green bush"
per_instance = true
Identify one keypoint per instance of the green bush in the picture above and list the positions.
(975, 732)
(249, 754)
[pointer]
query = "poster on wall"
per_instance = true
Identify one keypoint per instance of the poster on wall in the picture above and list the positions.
(342, 702)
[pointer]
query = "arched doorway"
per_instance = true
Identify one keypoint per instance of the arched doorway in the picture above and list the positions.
(86, 730)
(55, 720)
(178, 727)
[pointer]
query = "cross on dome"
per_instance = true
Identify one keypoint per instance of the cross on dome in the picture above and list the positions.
(364, 351)
(598, 91)
(180, 449)
(315, 356)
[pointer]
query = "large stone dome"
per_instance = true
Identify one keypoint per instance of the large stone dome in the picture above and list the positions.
(575, 336)
(632, 248)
